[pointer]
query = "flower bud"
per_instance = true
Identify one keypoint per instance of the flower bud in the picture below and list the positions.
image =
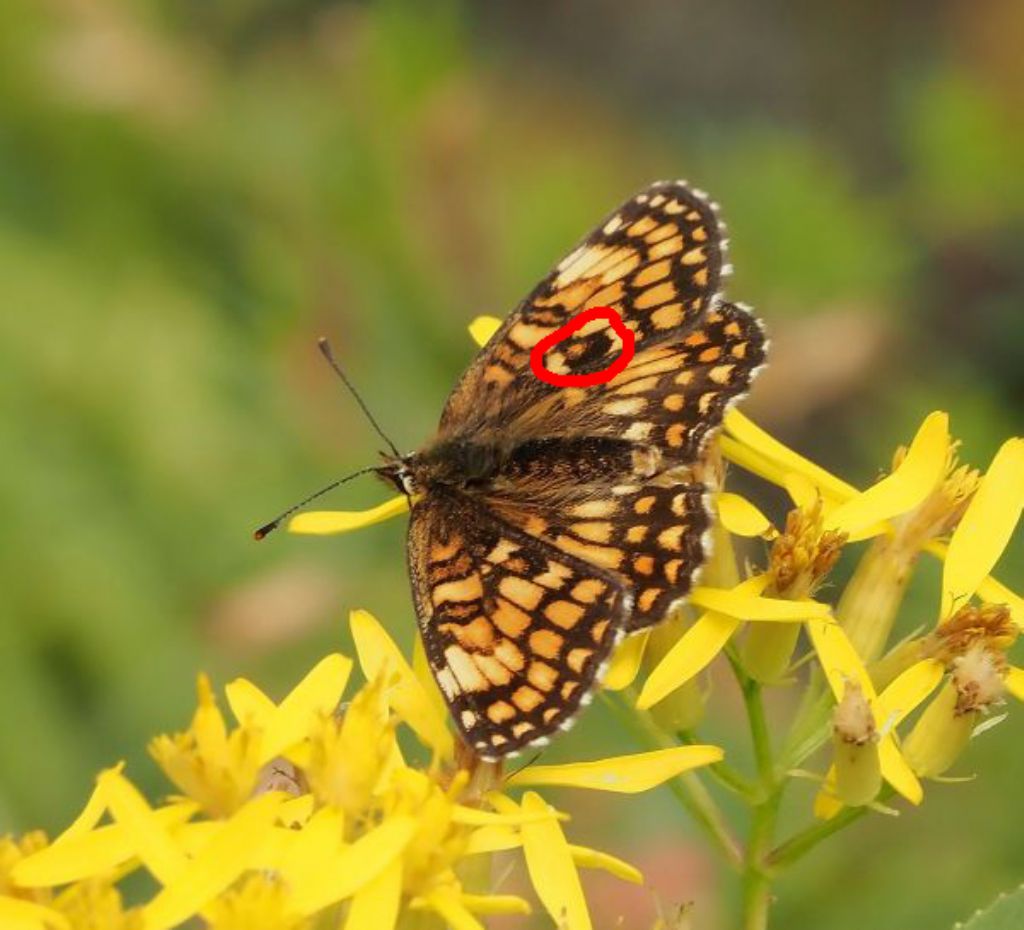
(945, 728)
(940, 736)
(855, 745)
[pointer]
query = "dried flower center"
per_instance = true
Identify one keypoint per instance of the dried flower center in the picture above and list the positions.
(989, 626)
(852, 720)
(978, 678)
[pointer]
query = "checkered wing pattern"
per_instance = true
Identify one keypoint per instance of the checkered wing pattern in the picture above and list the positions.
(650, 534)
(657, 261)
(553, 519)
(514, 629)
(672, 395)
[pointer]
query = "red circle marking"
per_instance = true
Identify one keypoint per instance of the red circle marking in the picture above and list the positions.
(563, 332)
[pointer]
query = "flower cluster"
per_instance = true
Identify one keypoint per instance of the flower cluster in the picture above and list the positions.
(306, 813)
(860, 730)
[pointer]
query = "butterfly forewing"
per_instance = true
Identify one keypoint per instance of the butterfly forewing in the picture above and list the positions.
(657, 261)
(515, 630)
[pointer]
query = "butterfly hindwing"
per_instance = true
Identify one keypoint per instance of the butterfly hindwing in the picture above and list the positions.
(652, 534)
(515, 631)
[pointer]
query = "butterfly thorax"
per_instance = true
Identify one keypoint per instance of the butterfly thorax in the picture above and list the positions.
(458, 464)
(477, 465)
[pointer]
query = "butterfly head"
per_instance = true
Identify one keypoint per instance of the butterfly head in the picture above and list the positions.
(400, 472)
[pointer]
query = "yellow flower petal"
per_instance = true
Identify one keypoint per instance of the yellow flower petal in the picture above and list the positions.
(482, 328)
(916, 477)
(989, 590)
(250, 706)
(219, 863)
(689, 656)
(329, 522)
(375, 906)
(745, 606)
(626, 661)
(495, 904)
(801, 490)
(147, 835)
(446, 903)
(785, 459)
(996, 593)
(897, 771)
(826, 801)
(587, 858)
(510, 814)
(695, 649)
(318, 694)
(908, 691)
(424, 675)
(551, 867)
(753, 462)
(1015, 682)
(986, 527)
(76, 856)
(17, 914)
(742, 518)
(493, 839)
(840, 663)
(320, 839)
(208, 726)
(839, 660)
(622, 774)
(378, 655)
(91, 814)
(338, 875)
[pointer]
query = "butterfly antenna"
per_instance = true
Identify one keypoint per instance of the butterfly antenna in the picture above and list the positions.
(325, 351)
(268, 528)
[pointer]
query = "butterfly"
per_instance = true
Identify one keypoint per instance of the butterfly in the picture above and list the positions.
(549, 522)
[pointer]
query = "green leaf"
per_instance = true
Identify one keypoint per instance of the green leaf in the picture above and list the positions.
(1005, 913)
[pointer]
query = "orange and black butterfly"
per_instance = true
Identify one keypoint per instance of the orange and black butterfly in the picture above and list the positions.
(549, 522)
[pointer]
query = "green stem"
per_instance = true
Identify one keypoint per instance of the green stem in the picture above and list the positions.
(804, 841)
(757, 894)
(758, 722)
(724, 773)
(757, 890)
(688, 788)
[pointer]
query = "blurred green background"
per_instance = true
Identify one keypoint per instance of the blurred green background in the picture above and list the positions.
(191, 193)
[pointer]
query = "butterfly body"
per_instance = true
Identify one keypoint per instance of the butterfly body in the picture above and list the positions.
(548, 522)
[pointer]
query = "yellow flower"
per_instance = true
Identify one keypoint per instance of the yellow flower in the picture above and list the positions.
(219, 768)
(373, 837)
(801, 558)
(971, 641)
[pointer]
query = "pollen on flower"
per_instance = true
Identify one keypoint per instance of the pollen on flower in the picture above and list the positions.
(804, 553)
(13, 851)
(988, 625)
(95, 904)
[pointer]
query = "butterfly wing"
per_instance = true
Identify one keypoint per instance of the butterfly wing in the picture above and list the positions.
(657, 261)
(514, 630)
(618, 479)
